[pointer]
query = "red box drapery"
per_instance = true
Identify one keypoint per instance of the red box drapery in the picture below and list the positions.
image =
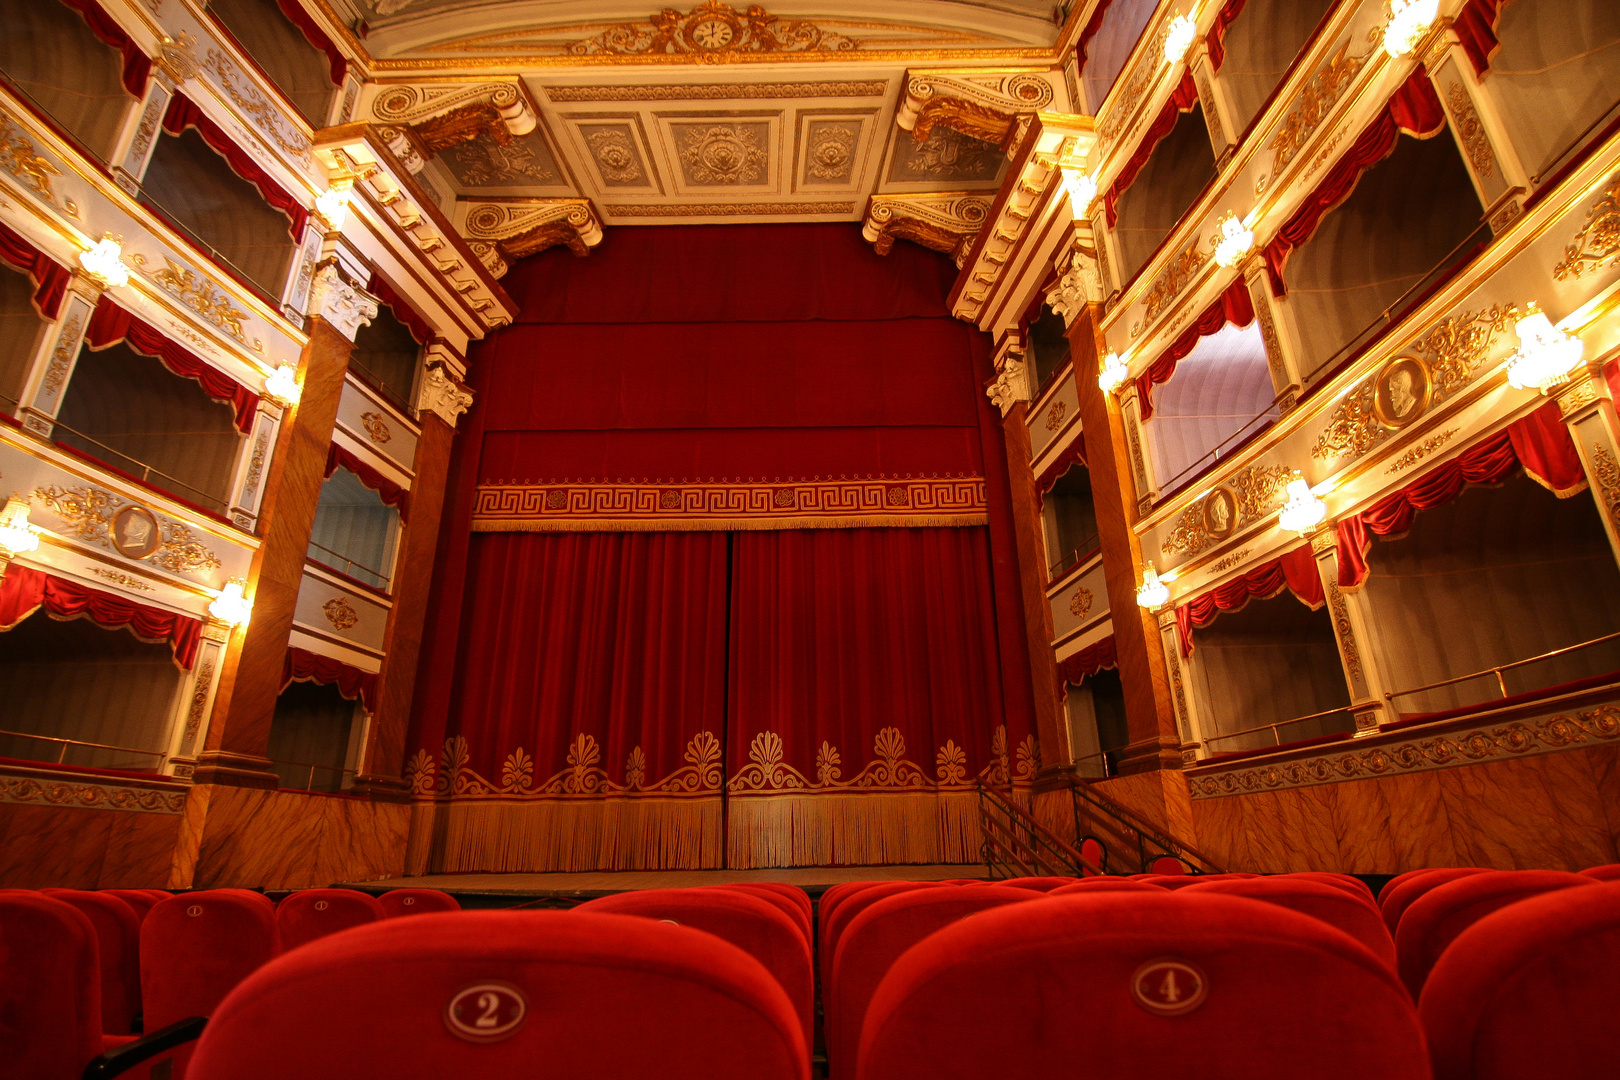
(50, 277)
(184, 113)
(1074, 455)
(389, 492)
(317, 37)
(1233, 306)
(1295, 571)
(1182, 99)
(1098, 656)
(1094, 25)
(1413, 109)
(1216, 37)
(110, 324)
(403, 311)
(137, 65)
(1476, 28)
(302, 665)
(24, 591)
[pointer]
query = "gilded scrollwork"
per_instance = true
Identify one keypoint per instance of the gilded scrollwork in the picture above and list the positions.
(1173, 279)
(1316, 100)
(1346, 633)
(340, 613)
(1221, 566)
(712, 29)
(88, 513)
(199, 698)
(1470, 131)
(1352, 429)
(26, 790)
(1456, 347)
(20, 159)
(1080, 603)
(1251, 493)
(67, 345)
(266, 116)
(1606, 471)
(1257, 489)
(1422, 450)
(197, 293)
(1598, 243)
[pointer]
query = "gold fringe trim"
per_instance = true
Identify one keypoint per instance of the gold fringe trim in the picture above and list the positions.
(566, 835)
(751, 524)
(868, 829)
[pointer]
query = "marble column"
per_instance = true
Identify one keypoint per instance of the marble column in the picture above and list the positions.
(1143, 673)
(234, 752)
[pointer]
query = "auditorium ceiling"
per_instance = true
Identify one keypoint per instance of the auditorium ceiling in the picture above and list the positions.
(794, 111)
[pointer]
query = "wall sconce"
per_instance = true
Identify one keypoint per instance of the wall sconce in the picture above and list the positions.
(16, 535)
(1082, 191)
(1303, 511)
(1113, 373)
(1152, 593)
(104, 262)
(1409, 20)
(281, 386)
(231, 606)
(1179, 38)
(1546, 355)
(333, 205)
(1235, 241)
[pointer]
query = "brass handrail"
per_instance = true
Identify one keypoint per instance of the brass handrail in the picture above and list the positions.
(1497, 671)
(1084, 790)
(60, 758)
(1278, 724)
(1019, 818)
(309, 785)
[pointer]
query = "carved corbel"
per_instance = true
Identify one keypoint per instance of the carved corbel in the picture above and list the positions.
(947, 222)
(434, 117)
(984, 106)
(442, 395)
(1081, 283)
(502, 230)
(1012, 383)
(345, 306)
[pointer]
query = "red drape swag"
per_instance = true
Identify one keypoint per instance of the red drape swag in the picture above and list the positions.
(1074, 455)
(50, 277)
(1413, 109)
(1216, 38)
(1233, 306)
(1294, 571)
(1094, 25)
(302, 665)
(403, 311)
(316, 36)
(1539, 443)
(1476, 28)
(184, 113)
(1182, 99)
(24, 591)
(137, 65)
(389, 492)
(111, 324)
(1097, 656)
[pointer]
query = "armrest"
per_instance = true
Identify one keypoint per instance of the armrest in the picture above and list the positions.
(126, 1057)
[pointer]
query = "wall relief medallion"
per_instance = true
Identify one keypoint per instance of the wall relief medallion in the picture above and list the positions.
(723, 154)
(1220, 513)
(1401, 392)
(1080, 603)
(376, 429)
(340, 613)
(135, 533)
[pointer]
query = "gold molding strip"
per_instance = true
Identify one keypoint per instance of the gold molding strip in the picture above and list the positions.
(726, 209)
(714, 91)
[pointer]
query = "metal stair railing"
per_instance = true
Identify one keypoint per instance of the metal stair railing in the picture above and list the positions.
(1127, 831)
(1016, 845)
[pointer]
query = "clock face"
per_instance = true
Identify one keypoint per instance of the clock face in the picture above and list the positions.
(712, 34)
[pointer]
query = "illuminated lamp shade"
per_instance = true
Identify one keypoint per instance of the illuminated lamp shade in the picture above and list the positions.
(232, 606)
(16, 535)
(1303, 511)
(1082, 190)
(1409, 20)
(105, 263)
(1152, 593)
(1235, 241)
(281, 386)
(1546, 355)
(1113, 373)
(333, 205)
(1178, 39)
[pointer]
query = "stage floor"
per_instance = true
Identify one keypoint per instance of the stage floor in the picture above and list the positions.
(812, 879)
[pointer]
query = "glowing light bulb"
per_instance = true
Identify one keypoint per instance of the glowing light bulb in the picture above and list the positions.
(1179, 38)
(1546, 355)
(281, 386)
(16, 535)
(1082, 191)
(1303, 511)
(1113, 374)
(333, 205)
(104, 262)
(1409, 20)
(231, 606)
(1152, 593)
(1236, 240)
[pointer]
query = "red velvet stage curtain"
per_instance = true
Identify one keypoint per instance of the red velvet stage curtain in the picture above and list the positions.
(302, 665)
(50, 277)
(1098, 656)
(1295, 571)
(110, 324)
(1233, 306)
(1415, 110)
(591, 695)
(184, 113)
(1182, 99)
(24, 591)
(1539, 443)
(866, 696)
(389, 492)
(316, 36)
(137, 65)
(403, 311)
(1216, 38)
(1476, 27)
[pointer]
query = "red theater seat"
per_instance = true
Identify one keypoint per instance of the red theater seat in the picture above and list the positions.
(1108, 884)
(752, 923)
(1036, 884)
(782, 897)
(50, 988)
(876, 937)
(1167, 864)
(1136, 987)
(142, 900)
(1335, 905)
(397, 902)
(118, 942)
(1395, 897)
(1434, 919)
(1341, 881)
(1610, 872)
(508, 994)
(1093, 851)
(313, 913)
(1529, 991)
(852, 905)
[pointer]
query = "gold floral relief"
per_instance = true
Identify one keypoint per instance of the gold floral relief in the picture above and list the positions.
(341, 614)
(1316, 100)
(1470, 131)
(1598, 243)
(1173, 279)
(20, 159)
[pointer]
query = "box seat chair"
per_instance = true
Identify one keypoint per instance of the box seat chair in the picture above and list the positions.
(1399, 892)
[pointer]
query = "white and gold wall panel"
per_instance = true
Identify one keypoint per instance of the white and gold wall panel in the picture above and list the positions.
(333, 611)
(377, 426)
(1054, 416)
(1079, 604)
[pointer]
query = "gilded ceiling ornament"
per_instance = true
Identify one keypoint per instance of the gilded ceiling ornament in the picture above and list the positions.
(1316, 99)
(340, 613)
(718, 91)
(615, 155)
(1598, 242)
(713, 29)
(985, 107)
(1080, 603)
(832, 152)
(376, 428)
(19, 158)
(722, 154)
(946, 154)
(1174, 278)
(490, 163)
(947, 223)
(503, 229)
(197, 293)
(814, 209)
(1470, 131)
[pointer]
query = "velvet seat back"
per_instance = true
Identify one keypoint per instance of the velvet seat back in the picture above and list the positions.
(793, 901)
(397, 902)
(50, 988)
(309, 914)
(1349, 910)
(118, 941)
(1395, 897)
(1037, 884)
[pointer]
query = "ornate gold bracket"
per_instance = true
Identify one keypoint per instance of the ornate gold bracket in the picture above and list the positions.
(946, 222)
(985, 106)
(502, 230)
(431, 118)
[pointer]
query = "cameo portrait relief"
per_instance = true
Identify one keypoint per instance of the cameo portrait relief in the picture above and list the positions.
(1402, 392)
(135, 532)
(1220, 514)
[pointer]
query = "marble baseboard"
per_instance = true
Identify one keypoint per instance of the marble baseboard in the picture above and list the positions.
(290, 840)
